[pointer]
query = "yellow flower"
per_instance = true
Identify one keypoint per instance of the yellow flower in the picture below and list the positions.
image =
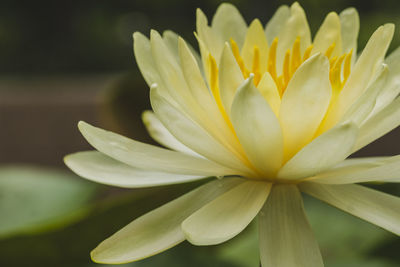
(270, 113)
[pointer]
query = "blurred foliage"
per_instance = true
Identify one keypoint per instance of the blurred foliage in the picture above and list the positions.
(35, 200)
(96, 36)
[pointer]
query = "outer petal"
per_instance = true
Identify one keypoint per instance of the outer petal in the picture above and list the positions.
(322, 153)
(387, 170)
(230, 77)
(159, 229)
(379, 124)
(277, 22)
(286, 238)
(229, 23)
(368, 204)
(148, 157)
(193, 136)
(392, 86)
(295, 26)
(329, 33)
(97, 167)
(227, 215)
(263, 143)
(350, 24)
(304, 103)
(364, 70)
(159, 133)
(364, 105)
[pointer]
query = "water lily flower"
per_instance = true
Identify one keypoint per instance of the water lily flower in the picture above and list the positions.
(270, 112)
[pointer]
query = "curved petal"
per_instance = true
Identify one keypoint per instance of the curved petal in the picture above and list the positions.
(277, 22)
(296, 26)
(229, 23)
(350, 24)
(193, 136)
(159, 229)
(159, 133)
(373, 206)
(379, 124)
(304, 103)
(322, 153)
(392, 86)
(227, 215)
(329, 33)
(212, 41)
(387, 170)
(148, 157)
(364, 70)
(100, 168)
(269, 91)
(255, 37)
(364, 105)
(263, 143)
(230, 77)
(286, 238)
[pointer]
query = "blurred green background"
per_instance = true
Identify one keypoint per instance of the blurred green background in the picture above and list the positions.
(65, 61)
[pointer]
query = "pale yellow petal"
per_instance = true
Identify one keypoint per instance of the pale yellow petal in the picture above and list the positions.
(304, 103)
(277, 22)
(263, 143)
(285, 236)
(373, 206)
(269, 91)
(328, 34)
(159, 229)
(322, 153)
(227, 215)
(255, 37)
(350, 24)
(229, 23)
(159, 133)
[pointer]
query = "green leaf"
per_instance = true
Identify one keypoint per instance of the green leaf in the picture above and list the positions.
(34, 199)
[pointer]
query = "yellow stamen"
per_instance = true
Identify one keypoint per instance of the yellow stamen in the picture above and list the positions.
(215, 89)
(332, 62)
(335, 73)
(347, 66)
(307, 53)
(272, 59)
(239, 60)
(330, 49)
(286, 62)
(296, 57)
(256, 65)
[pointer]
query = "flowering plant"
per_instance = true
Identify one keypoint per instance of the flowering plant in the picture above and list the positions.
(270, 113)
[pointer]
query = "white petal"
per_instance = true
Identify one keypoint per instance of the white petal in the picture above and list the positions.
(230, 77)
(286, 238)
(100, 168)
(159, 229)
(304, 103)
(269, 91)
(392, 86)
(379, 124)
(212, 41)
(329, 33)
(350, 24)
(229, 23)
(363, 72)
(364, 105)
(387, 170)
(258, 129)
(227, 215)
(148, 157)
(368, 204)
(159, 133)
(322, 153)
(192, 135)
(277, 22)
(296, 26)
